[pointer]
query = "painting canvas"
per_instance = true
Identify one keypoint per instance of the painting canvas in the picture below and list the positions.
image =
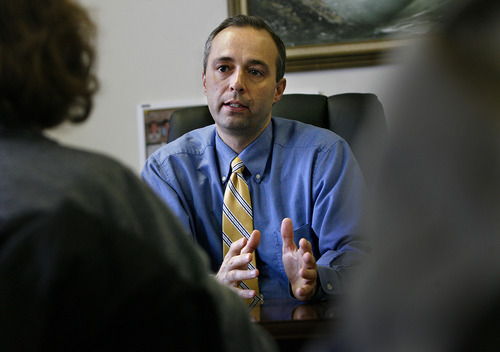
(335, 33)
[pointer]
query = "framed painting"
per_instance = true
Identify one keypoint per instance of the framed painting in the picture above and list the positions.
(323, 34)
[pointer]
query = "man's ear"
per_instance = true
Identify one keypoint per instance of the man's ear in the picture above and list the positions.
(204, 80)
(280, 89)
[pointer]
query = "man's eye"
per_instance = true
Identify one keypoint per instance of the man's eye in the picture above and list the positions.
(254, 72)
(222, 68)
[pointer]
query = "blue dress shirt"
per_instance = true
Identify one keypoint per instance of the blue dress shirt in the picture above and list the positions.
(293, 170)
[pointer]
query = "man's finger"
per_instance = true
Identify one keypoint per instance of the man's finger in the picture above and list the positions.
(309, 261)
(242, 275)
(239, 261)
(236, 247)
(252, 243)
(245, 293)
(287, 234)
(308, 274)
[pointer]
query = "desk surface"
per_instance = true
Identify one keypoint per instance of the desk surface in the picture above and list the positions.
(292, 323)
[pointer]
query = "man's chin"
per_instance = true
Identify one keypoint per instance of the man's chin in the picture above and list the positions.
(233, 122)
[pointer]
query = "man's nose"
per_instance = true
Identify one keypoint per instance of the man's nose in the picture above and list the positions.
(238, 81)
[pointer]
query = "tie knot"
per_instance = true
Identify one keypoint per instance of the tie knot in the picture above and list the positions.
(237, 165)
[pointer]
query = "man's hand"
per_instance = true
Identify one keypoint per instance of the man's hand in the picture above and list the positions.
(300, 265)
(234, 268)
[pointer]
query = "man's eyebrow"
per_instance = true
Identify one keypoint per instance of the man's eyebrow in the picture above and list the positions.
(252, 62)
(222, 58)
(258, 62)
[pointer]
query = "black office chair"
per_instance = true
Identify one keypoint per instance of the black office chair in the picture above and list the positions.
(357, 117)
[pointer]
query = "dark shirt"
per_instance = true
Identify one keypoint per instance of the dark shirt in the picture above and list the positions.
(90, 259)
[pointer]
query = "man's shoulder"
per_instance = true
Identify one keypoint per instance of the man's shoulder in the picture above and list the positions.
(295, 133)
(190, 144)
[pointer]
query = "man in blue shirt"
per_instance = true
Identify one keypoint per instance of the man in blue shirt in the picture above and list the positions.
(304, 182)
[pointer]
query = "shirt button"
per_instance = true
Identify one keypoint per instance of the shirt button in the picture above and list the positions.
(329, 287)
(257, 176)
(223, 178)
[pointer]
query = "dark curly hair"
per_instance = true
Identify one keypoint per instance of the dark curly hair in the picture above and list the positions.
(46, 63)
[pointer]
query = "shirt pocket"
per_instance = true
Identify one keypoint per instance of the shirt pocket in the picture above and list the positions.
(307, 232)
(304, 231)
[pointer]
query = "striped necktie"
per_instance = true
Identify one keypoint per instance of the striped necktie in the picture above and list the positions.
(237, 220)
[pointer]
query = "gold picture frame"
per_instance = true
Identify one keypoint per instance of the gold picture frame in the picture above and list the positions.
(344, 54)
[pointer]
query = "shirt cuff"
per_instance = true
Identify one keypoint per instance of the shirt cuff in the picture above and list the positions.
(326, 286)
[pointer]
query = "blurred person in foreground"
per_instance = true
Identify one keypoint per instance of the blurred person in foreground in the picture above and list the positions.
(432, 282)
(90, 259)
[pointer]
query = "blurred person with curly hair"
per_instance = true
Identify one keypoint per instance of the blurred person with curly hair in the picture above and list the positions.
(89, 257)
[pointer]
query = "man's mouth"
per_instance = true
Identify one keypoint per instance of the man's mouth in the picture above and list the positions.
(235, 106)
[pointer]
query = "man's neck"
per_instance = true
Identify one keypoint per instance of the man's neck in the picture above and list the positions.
(235, 143)
(238, 142)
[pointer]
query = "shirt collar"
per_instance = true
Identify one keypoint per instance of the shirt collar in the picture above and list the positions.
(254, 156)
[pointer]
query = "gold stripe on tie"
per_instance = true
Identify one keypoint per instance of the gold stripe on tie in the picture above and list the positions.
(237, 220)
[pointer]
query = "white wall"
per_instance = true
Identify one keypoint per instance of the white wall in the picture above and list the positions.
(151, 51)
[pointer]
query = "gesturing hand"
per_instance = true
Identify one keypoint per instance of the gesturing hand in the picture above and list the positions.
(234, 267)
(300, 265)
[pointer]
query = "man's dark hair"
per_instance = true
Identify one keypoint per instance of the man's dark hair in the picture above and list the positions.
(46, 63)
(254, 22)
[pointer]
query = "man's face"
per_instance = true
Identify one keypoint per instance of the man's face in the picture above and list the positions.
(240, 81)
